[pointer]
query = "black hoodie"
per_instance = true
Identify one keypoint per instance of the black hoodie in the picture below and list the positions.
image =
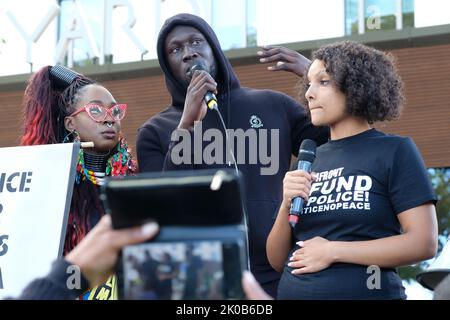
(241, 108)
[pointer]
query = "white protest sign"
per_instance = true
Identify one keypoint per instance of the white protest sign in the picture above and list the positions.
(36, 184)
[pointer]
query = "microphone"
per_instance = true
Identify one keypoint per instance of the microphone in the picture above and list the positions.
(210, 98)
(211, 101)
(306, 156)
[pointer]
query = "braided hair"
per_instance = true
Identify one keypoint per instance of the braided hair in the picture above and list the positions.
(45, 106)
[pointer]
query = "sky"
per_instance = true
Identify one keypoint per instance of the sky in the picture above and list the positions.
(271, 19)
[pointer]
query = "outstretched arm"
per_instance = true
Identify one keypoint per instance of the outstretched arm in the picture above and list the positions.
(97, 253)
(96, 256)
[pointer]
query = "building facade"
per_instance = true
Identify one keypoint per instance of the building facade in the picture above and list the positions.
(114, 42)
(422, 57)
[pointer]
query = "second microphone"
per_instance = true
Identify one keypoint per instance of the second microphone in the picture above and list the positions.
(306, 156)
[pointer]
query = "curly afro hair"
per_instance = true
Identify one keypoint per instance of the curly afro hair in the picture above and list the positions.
(367, 77)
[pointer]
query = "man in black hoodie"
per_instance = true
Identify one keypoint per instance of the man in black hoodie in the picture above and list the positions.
(184, 41)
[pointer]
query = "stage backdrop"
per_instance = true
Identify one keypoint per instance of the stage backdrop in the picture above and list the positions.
(36, 186)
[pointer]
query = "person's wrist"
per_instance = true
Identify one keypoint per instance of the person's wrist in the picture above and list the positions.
(185, 125)
(333, 251)
(303, 66)
(62, 273)
(74, 260)
(286, 204)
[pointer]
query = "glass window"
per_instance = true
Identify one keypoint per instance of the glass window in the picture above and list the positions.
(252, 31)
(351, 16)
(83, 52)
(287, 21)
(130, 35)
(408, 13)
(229, 23)
(236, 30)
(378, 15)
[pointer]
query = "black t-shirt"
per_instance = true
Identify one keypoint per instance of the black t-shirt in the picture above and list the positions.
(363, 182)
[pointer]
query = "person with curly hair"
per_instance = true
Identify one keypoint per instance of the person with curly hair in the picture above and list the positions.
(370, 206)
(61, 105)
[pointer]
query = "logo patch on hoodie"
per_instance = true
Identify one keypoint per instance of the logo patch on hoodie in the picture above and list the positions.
(255, 122)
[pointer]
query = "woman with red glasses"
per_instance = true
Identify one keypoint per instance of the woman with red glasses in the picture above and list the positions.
(61, 105)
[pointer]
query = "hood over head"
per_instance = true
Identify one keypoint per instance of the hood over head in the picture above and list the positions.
(226, 78)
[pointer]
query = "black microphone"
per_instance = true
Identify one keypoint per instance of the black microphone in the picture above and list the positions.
(211, 101)
(306, 156)
(210, 98)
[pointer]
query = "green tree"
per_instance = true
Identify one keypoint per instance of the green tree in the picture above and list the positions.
(440, 179)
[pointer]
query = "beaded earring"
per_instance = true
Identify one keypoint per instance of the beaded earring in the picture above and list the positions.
(75, 136)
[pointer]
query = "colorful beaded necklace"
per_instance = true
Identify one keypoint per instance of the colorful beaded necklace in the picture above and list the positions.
(119, 164)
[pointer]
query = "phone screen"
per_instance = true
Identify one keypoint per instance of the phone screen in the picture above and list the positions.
(188, 270)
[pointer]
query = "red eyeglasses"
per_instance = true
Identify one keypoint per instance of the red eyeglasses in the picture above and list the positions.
(99, 113)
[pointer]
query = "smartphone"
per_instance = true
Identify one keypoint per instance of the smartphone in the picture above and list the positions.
(207, 266)
(201, 249)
